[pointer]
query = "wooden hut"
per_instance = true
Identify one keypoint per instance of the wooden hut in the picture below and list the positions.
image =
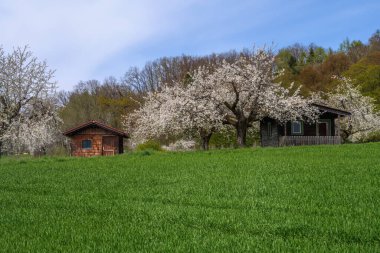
(94, 138)
(326, 130)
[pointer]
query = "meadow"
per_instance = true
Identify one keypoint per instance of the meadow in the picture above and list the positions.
(295, 199)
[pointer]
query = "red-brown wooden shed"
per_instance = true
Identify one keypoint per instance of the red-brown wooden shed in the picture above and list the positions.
(94, 138)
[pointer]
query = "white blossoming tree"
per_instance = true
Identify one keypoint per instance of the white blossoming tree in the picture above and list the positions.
(237, 94)
(364, 119)
(27, 113)
(244, 92)
(174, 110)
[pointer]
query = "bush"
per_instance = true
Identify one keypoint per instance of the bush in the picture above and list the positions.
(58, 150)
(181, 145)
(149, 145)
(372, 137)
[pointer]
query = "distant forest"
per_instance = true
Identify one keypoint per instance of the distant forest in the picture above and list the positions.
(311, 66)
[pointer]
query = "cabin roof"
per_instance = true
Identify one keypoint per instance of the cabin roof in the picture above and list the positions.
(92, 123)
(330, 109)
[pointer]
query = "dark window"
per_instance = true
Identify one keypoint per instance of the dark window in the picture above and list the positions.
(297, 127)
(269, 130)
(86, 144)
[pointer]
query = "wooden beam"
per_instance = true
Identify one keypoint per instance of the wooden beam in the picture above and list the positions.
(285, 128)
(338, 126)
(316, 128)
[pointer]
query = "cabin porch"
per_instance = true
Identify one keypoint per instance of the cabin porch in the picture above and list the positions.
(308, 140)
(326, 130)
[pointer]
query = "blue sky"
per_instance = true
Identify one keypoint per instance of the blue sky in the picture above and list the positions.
(93, 39)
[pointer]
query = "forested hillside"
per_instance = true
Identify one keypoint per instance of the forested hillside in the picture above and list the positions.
(311, 66)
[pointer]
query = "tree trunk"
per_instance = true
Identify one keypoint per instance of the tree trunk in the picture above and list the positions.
(345, 134)
(205, 138)
(241, 132)
(44, 152)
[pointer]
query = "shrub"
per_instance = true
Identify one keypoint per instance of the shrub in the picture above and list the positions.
(181, 145)
(149, 145)
(372, 137)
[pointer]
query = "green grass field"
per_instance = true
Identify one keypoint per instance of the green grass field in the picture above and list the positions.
(302, 199)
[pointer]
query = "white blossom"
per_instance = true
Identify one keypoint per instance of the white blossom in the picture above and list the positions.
(245, 92)
(180, 145)
(237, 94)
(28, 117)
(363, 119)
(173, 111)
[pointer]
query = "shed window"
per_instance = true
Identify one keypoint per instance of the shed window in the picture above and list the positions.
(86, 144)
(269, 129)
(297, 127)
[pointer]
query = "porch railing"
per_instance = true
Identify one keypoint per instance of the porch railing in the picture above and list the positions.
(308, 140)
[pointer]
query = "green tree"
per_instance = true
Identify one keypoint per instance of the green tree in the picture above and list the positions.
(374, 41)
(93, 100)
(366, 74)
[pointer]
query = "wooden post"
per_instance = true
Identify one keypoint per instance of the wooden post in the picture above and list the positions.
(316, 128)
(338, 126)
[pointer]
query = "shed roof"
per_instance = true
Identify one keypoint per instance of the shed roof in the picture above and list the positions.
(93, 123)
(330, 109)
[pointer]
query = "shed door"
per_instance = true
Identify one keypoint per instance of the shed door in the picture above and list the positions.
(323, 128)
(110, 145)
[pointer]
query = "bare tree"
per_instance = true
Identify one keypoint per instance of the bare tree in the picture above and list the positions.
(171, 71)
(63, 98)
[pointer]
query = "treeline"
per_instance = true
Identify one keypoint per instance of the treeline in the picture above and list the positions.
(33, 114)
(313, 67)
(109, 100)
(310, 66)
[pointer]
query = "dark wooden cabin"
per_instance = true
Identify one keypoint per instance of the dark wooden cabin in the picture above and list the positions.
(94, 138)
(325, 131)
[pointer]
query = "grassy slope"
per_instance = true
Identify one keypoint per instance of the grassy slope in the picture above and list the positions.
(324, 198)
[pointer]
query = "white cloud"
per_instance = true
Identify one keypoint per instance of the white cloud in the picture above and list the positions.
(85, 39)
(76, 36)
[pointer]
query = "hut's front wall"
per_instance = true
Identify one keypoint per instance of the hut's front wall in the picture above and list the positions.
(308, 129)
(311, 129)
(76, 145)
(96, 136)
(271, 131)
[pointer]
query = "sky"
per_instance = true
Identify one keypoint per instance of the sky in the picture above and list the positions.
(94, 39)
